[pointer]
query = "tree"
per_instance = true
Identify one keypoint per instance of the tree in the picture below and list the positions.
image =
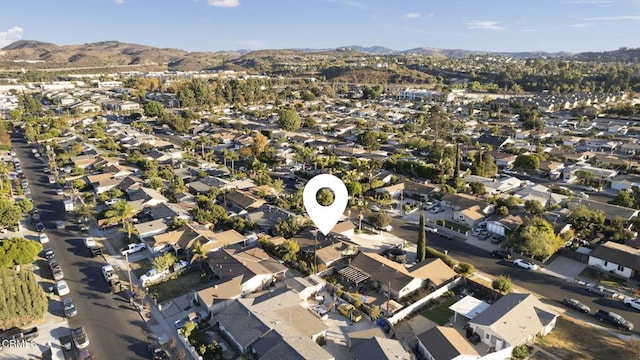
(581, 218)
(25, 205)
(153, 108)
(121, 212)
(188, 328)
(368, 140)
(380, 219)
(10, 214)
(421, 251)
(288, 119)
(623, 198)
(502, 283)
(198, 253)
(18, 251)
(325, 197)
(529, 162)
(260, 143)
(164, 262)
(289, 250)
(354, 188)
(466, 269)
(21, 298)
(477, 188)
(536, 238)
(585, 177)
(533, 207)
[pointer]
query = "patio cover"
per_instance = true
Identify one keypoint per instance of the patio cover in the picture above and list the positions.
(354, 274)
(469, 307)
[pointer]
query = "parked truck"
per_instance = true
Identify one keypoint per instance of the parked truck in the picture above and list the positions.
(68, 205)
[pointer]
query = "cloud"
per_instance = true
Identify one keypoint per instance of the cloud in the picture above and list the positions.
(118, 1)
(614, 18)
(579, 25)
(351, 3)
(224, 3)
(11, 35)
(412, 15)
(486, 25)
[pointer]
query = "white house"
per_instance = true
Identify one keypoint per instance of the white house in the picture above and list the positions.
(619, 259)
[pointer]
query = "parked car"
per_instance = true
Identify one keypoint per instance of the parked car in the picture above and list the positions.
(110, 202)
(633, 302)
(62, 288)
(152, 276)
(80, 337)
(43, 238)
(59, 191)
(196, 317)
(48, 254)
(484, 235)
(60, 225)
(69, 308)
(430, 229)
(40, 227)
(436, 209)
(158, 352)
(133, 248)
(55, 269)
(497, 239)
(89, 242)
(601, 290)
(576, 305)
(501, 254)
(525, 264)
(614, 319)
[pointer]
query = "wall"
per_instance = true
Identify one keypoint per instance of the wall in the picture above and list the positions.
(607, 266)
(400, 315)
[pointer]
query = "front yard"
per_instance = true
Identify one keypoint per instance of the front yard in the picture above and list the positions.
(572, 339)
(175, 287)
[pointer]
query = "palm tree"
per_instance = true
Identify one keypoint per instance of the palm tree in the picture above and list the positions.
(85, 211)
(233, 156)
(128, 227)
(225, 156)
(121, 211)
(198, 253)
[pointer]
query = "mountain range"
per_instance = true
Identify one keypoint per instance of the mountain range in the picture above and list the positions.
(110, 54)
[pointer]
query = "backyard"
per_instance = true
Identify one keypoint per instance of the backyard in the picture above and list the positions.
(440, 313)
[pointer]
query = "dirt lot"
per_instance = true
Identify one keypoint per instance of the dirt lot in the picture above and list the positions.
(572, 339)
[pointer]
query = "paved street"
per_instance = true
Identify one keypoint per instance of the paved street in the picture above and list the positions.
(552, 282)
(114, 327)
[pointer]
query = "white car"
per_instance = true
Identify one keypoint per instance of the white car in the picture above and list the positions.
(153, 275)
(110, 202)
(43, 238)
(583, 195)
(430, 229)
(62, 288)
(633, 302)
(525, 264)
(90, 242)
(132, 248)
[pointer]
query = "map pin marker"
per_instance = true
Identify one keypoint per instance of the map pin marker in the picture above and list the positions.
(325, 217)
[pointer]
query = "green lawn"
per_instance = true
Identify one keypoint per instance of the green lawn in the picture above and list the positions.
(604, 279)
(176, 287)
(440, 313)
(455, 226)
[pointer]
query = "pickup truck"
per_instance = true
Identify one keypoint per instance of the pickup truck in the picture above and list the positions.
(15, 333)
(109, 273)
(614, 319)
(602, 291)
(132, 248)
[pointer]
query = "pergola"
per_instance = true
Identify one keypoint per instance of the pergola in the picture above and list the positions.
(354, 274)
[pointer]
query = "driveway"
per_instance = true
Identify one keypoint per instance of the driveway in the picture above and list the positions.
(564, 268)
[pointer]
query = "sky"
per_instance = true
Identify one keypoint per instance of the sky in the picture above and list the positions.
(213, 25)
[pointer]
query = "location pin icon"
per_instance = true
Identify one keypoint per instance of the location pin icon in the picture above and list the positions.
(325, 217)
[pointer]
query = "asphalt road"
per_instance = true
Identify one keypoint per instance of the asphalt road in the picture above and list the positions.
(552, 288)
(115, 329)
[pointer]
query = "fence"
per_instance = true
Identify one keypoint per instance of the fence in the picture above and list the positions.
(400, 315)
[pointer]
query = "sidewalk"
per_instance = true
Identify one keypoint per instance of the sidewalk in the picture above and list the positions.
(152, 317)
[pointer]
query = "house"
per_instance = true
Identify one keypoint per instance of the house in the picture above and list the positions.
(495, 141)
(610, 211)
(344, 228)
(147, 196)
(625, 182)
(305, 287)
(150, 228)
(501, 225)
(513, 320)
(445, 343)
(272, 326)
(255, 273)
(619, 259)
(379, 347)
(243, 200)
(265, 217)
(470, 217)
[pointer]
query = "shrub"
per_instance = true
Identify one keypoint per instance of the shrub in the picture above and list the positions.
(502, 283)
(465, 269)
(520, 352)
(433, 253)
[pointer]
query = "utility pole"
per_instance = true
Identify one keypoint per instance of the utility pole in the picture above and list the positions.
(126, 257)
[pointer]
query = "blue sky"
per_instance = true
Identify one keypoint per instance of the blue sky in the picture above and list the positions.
(211, 25)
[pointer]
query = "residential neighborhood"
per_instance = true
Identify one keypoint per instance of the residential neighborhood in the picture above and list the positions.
(195, 200)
